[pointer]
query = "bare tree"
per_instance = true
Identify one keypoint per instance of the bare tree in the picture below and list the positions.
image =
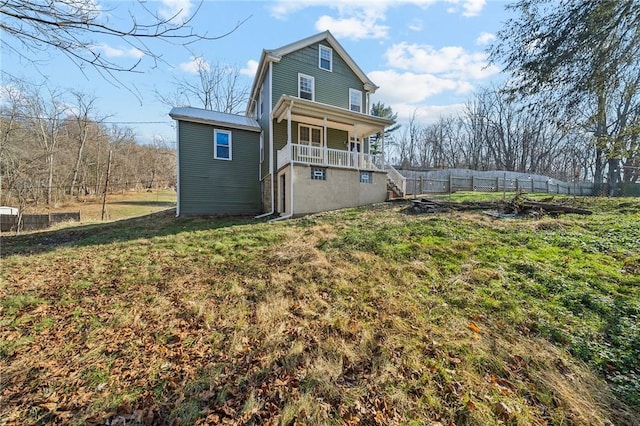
(44, 115)
(215, 87)
(83, 123)
(31, 28)
(575, 55)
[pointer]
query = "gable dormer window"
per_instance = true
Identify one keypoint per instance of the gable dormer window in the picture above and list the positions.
(306, 86)
(355, 100)
(325, 59)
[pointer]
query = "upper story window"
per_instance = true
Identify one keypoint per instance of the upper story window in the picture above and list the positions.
(221, 144)
(325, 60)
(306, 85)
(355, 100)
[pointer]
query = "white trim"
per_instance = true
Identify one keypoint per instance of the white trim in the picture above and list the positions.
(330, 50)
(310, 141)
(177, 168)
(215, 144)
(356, 92)
(215, 118)
(339, 118)
(275, 55)
(313, 85)
(261, 152)
(271, 153)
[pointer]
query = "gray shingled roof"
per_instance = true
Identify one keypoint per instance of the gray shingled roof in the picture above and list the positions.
(215, 118)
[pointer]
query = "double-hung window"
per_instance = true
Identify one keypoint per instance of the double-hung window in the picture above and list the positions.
(325, 58)
(355, 100)
(221, 144)
(312, 137)
(306, 87)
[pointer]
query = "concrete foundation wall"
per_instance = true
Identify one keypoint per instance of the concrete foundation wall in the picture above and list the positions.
(341, 189)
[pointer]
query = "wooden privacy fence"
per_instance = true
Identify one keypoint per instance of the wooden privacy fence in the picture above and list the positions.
(32, 222)
(446, 185)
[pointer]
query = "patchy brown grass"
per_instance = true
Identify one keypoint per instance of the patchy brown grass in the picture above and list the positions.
(327, 319)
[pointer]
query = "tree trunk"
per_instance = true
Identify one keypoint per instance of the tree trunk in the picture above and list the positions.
(613, 175)
(598, 174)
(74, 179)
(50, 180)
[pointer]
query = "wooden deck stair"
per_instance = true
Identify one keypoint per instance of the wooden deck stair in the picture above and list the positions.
(396, 183)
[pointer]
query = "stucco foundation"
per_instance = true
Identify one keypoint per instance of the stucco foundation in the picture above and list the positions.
(341, 189)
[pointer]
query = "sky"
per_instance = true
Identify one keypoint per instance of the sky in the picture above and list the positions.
(427, 56)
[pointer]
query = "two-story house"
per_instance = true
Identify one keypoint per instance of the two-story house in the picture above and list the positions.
(302, 147)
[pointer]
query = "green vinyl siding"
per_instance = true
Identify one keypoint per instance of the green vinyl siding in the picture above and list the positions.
(335, 138)
(280, 134)
(264, 123)
(217, 187)
(331, 87)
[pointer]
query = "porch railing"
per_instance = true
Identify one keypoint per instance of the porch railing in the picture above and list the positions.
(397, 179)
(321, 156)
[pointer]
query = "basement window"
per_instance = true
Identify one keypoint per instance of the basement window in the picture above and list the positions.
(366, 177)
(318, 173)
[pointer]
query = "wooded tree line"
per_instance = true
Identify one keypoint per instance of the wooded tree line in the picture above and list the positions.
(493, 133)
(570, 107)
(54, 145)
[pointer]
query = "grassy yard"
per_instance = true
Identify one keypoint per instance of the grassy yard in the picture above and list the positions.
(118, 205)
(360, 316)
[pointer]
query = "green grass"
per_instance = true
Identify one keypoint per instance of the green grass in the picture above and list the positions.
(368, 315)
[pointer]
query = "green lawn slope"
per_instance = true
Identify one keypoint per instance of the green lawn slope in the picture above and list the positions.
(360, 316)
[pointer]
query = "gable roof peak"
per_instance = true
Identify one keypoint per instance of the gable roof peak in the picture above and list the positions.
(274, 55)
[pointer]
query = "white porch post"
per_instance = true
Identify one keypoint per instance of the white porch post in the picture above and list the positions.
(356, 140)
(289, 134)
(382, 146)
(325, 150)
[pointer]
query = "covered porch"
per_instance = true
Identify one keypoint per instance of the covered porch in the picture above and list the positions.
(310, 142)
(327, 157)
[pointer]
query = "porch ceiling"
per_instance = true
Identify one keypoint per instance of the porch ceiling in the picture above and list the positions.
(314, 113)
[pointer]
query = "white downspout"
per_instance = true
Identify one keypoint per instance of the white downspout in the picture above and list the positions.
(271, 153)
(177, 168)
(289, 140)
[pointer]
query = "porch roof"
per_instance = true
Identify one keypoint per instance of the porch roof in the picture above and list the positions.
(306, 111)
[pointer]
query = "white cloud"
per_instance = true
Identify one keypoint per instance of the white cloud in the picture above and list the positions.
(358, 19)
(354, 27)
(115, 52)
(485, 38)
(416, 25)
(468, 8)
(412, 88)
(87, 9)
(281, 9)
(9, 93)
(473, 7)
(251, 68)
(450, 61)
(424, 114)
(175, 9)
(195, 65)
